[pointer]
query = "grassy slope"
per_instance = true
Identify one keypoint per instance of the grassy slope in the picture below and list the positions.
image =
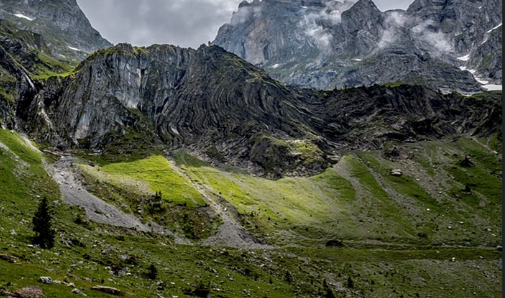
(349, 202)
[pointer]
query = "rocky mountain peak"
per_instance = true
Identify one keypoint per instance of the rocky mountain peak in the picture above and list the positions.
(64, 26)
(364, 5)
(335, 44)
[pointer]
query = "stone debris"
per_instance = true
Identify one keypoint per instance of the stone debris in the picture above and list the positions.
(78, 292)
(45, 280)
(109, 290)
(396, 172)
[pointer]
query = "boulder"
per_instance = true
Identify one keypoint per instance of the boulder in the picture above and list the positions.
(109, 290)
(78, 292)
(7, 258)
(45, 280)
(396, 172)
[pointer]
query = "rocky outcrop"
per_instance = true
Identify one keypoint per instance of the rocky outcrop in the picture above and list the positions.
(332, 44)
(17, 59)
(64, 26)
(473, 29)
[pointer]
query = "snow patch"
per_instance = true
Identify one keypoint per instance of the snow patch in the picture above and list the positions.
(485, 84)
(482, 82)
(494, 28)
(22, 16)
(464, 58)
(462, 68)
(492, 87)
(275, 66)
(75, 49)
(357, 59)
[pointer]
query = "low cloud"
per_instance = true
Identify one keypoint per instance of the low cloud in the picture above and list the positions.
(439, 42)
(393, 25)
(423, 32)
(312, 24)
(187, 23)
(244, 13)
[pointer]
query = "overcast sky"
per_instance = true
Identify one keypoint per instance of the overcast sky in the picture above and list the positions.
(187, 23)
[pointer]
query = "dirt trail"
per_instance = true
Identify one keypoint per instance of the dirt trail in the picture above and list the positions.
(231, 233)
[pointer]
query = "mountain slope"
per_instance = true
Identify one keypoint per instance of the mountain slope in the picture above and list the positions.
(220, 107)
(334, 44)
(198, 164)
(64, 26)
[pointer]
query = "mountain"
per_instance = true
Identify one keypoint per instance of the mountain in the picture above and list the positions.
(217, 106)
(174, 172)
(336, 44)
(65, 28)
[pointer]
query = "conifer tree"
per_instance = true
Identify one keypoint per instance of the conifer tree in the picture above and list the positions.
(42, 226)
(152, 272)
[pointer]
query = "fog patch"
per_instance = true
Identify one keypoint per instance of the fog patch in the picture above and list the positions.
(439, 41)
(244, 13)
(397, 25)
(316, 25)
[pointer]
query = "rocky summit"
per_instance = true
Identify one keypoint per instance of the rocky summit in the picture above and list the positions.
(326, 44)
(63, 25)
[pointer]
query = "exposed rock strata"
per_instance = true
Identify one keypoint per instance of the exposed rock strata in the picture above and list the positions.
(224, 109)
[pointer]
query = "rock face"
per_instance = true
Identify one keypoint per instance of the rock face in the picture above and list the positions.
(223, 109)
(330, 44)
(64, 26)
(17, 58)
(217, 106)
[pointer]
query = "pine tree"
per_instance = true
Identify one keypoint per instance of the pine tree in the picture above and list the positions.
(152, 272)
(42, 226)
(350, 283)
(328, 293)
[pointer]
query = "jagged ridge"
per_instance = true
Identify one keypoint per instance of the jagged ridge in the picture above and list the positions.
(217, 106)
(333, 44)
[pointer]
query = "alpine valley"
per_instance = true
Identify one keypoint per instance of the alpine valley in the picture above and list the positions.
(315, 148)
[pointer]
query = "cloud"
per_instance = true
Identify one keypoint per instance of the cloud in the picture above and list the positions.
(312, 23)
(187, 23)
(393, 24)
(244, 13)
(438, 41)
(422, 32)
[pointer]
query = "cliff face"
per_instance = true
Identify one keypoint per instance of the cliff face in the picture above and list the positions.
(223, 109)
(328, 44)
(65, 28)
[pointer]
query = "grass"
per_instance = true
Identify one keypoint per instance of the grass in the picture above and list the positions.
(148, 176)
(50, 67)
(86, 252)
(288, 203)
